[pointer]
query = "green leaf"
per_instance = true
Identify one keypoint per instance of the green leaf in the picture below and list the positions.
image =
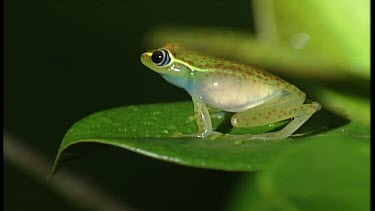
(147, 130)
(325, 174)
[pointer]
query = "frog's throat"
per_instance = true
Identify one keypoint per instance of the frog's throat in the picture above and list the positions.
(182, 82)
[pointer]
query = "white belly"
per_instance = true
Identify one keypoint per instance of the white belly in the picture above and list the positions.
(232, 93)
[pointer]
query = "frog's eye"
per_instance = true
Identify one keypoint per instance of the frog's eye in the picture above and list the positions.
(160, 57)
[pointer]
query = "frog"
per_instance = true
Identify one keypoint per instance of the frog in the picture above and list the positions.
(253, 95)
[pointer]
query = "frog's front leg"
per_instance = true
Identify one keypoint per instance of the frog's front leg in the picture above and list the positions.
(202, 118)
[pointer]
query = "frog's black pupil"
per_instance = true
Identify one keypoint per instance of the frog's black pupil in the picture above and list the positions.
(158, 57)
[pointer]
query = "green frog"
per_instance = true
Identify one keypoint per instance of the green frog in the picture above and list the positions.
(256, 96)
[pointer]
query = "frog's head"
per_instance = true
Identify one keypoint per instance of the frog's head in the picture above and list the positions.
(165, 61)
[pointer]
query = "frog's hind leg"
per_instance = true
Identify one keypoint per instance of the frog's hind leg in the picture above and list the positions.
(272, 113)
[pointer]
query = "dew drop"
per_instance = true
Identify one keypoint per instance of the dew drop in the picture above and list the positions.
(104, 120)
(299, 40)
(133, 108)
(156, 112)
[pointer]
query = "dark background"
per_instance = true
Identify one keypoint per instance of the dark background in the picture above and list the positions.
(64, 60)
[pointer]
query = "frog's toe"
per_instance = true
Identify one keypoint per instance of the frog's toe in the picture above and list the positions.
(192, 135)
(215, 135)
(238, 139)
(209, 135)
(177, 134)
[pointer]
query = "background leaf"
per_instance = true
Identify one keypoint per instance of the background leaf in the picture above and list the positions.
(307, 38)
(324, 174)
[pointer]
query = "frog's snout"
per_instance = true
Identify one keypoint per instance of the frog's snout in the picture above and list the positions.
(145, 58)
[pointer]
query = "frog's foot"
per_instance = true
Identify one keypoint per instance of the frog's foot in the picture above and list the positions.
(278, 135)
(238, 139)
(215, 135)
(206, 135)
(308, 132)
